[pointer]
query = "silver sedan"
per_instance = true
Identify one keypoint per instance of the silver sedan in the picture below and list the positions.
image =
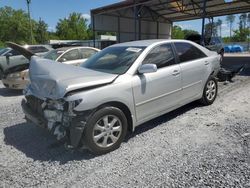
(118, 89)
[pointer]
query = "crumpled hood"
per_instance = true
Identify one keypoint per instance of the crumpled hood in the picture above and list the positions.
(53, 80)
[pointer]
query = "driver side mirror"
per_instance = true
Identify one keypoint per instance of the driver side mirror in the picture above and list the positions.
(147, 68)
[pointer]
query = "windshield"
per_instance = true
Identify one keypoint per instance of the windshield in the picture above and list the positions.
(53, 54)
(114, 60)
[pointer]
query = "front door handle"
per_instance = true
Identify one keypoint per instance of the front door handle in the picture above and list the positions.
(175, 72)
(206, 62)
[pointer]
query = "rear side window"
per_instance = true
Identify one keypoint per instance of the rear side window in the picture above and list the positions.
(38, 49)
(86, 53)
(161, 55)
(188, 52)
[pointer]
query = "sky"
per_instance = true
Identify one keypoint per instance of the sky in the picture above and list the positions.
(52, 10)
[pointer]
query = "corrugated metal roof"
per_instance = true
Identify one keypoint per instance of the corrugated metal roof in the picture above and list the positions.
(176, 10)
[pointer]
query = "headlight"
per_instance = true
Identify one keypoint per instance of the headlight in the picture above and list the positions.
(15, 75)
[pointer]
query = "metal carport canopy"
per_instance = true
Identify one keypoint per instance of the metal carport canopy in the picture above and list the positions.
(145, 19)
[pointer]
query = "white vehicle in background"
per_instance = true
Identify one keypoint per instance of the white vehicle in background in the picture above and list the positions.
(18, 77)
(71, 55)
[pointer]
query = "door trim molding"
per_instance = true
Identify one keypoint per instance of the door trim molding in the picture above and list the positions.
(158, 97)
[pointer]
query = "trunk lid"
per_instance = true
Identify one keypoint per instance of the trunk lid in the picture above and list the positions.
(53, 80)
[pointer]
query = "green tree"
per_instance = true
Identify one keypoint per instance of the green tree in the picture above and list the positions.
(188, 32)
(14, 25)
(177, 32)
(230, 20)
(72, 28)
(41, 32)
(219, 24)
(211, 29)
(243, 21)
(240, 35)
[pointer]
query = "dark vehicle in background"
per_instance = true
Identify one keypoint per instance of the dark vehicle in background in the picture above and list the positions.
(211, 43)
(11, 58)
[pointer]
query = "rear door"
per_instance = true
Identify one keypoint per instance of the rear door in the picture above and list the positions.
(155, 92)
(193, 64)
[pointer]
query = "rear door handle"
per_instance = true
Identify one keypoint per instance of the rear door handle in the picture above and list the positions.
(175, 72)
(206, 62)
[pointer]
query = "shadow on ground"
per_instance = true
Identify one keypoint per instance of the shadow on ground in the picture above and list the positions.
(5, 92)
(38, 144)
(162, 119)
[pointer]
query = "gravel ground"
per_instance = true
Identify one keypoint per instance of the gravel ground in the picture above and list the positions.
(192, 146)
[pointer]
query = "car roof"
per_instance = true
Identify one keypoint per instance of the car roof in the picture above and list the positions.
(145, 43)
(75, 47)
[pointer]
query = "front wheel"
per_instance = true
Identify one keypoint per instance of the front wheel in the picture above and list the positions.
(210, 91)
(105, 130)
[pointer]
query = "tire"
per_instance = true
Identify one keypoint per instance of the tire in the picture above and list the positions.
(221, 55)
(105, 130)
(1, 74)
(210, 91)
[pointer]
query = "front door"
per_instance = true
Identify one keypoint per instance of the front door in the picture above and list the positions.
(156, 92)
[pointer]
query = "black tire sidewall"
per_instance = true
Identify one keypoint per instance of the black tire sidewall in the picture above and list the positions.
(1, 74)
(88, 131)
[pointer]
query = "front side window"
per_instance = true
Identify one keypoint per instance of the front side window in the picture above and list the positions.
(53, 54)
(14, 53)
(188, 52)
(114, 60)
(161, 55)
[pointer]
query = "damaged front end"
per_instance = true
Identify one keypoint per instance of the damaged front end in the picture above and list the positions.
(57, 116)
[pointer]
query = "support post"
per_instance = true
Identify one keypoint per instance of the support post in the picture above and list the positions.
(135, 17)
(203, 23)
(31, 32)
(157, 31)
(212, 26)
(119, 30)
(93, 28)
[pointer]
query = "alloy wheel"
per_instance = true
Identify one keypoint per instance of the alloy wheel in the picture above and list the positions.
(211, 90)
(107, 131)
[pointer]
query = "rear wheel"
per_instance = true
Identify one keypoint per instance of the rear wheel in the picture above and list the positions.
(1, 74)
(105, 130)
(210, 91)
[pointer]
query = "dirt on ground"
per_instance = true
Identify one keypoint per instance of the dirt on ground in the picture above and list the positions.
(199, 146)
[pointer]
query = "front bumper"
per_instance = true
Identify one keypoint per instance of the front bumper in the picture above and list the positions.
(72, 132)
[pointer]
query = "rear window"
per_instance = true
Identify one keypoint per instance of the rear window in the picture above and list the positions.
(38, 49)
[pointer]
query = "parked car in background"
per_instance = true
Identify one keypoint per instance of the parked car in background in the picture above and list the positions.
(68, 55)
(11, 58)
(117, 89)
(211, 43)
(71, 55)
